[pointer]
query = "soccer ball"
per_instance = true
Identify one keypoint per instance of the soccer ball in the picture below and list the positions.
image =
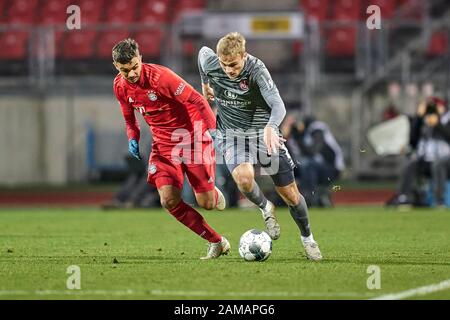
(255, 245)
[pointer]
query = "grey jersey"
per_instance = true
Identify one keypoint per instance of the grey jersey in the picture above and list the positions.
(247, 103)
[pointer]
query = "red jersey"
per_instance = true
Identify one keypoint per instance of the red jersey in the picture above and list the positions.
(170, 106)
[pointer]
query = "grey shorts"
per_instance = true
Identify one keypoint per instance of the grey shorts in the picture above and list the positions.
(238, 150)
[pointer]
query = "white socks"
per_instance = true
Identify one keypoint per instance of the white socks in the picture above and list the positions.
(310, 238)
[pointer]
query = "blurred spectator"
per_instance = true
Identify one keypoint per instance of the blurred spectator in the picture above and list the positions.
(135, 192)
(430, 156)
(319, 155)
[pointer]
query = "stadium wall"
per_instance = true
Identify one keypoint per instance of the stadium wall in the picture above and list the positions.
(46, 136)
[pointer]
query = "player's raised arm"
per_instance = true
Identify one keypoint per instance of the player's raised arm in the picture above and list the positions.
(272, 97)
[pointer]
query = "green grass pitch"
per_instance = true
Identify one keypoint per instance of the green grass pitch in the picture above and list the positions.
(147, 254)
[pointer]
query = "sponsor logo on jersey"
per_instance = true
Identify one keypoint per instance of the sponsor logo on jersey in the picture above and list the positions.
(230, 95)
(152, 95)
(210, 180)
(180, 89)
(130, 100)
(152, 168)
(243, 84)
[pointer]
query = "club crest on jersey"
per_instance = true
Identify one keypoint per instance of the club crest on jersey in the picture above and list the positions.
(243, 84)
(230, 95)
(152, 168)
(152, 96)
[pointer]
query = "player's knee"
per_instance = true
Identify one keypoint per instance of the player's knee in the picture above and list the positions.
(292, 197)
(245, 182)
(170, 202)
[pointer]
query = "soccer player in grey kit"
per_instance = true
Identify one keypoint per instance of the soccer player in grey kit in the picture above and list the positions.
(250, 111)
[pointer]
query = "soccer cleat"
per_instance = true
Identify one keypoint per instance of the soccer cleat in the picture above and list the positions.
(272, 226)
(215, 250)
(312, 250)
(221, 202)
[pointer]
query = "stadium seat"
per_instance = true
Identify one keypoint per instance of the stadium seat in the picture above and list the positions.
(346, 10)
(411, 9)
(149, 43)
(79, 44)
(187, 5)
(154, 11)
(107, 40)
(91, 10)
(341, 42)
(53, 12)
(119, 11)
(21, 12)
(387, 7)
(14, 45)
(4, 5)
(438, 44)
(190, 4)
(315, 9)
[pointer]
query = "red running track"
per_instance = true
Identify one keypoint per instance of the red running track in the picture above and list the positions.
(76, 198)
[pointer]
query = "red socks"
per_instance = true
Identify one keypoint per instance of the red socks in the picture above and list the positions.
(194, 221)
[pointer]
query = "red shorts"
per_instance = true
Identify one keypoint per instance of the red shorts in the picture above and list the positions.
(167, 166)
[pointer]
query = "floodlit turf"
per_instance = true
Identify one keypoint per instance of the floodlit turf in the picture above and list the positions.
(158, 258)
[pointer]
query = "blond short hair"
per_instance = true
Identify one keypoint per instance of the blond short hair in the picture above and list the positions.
(232, 44)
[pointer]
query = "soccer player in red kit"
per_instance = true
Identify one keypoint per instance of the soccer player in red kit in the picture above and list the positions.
(180, 119)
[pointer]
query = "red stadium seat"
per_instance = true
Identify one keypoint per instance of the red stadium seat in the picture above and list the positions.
(438, 44)
(91, 10)
(154, 11)
(188, 5)
(411, 9)
(14, 45)
(341, 42)
(4, 5)
(346, 10)
(387, 7)
(59, 38)
(120, 11)
(107, 40)
(315, 9)
(53, 12)
(79, 44)
(21, 11)
(149, 43)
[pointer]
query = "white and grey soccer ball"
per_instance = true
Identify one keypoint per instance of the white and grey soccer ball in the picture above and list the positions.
(255, 245)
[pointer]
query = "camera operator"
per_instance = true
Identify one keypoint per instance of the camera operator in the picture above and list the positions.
(430, 157)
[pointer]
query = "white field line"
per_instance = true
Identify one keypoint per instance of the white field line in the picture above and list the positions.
(184, 293)
(420, 291)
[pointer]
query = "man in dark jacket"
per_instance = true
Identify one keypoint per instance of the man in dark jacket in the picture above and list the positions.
(430, 142)
(320, 158)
